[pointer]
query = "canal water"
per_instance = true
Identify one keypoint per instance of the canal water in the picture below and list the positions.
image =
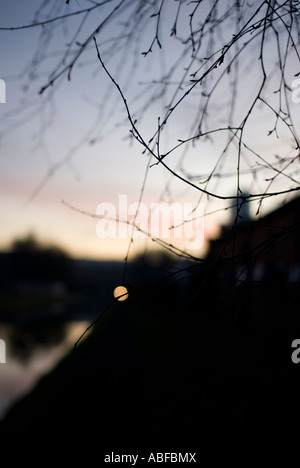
(30, 354)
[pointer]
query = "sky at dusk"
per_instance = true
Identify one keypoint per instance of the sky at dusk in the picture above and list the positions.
(70, 147)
